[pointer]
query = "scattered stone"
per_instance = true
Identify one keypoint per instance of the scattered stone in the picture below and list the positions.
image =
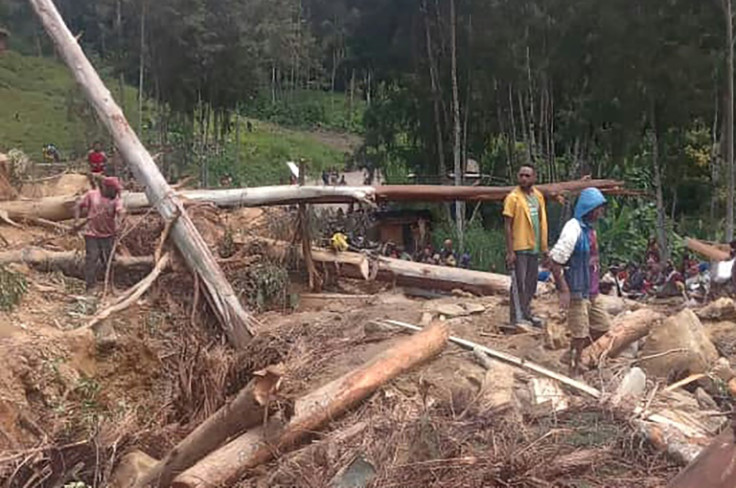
(473, 308)
(722, 370)
(723, 335)
(497, 391)
(356, 475)
(631, 388)
(705, 401)
(722, 309)
(612, 304)
(427, 318)
(547, 391)
(131, 468)
(677, 347)
(555, 335)
(732, 387)
(449, 310)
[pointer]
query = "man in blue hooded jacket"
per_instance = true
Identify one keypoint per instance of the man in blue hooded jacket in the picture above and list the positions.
(577, 252)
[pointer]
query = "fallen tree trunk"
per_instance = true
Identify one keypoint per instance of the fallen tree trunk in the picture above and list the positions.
(62, 208)
(625, 330)
(399, 271)
(409, 273)
(71, 263)
(713, 467)
(711, 252)
(246, 410)
(236, 322)
(438, 193)
(352, 264)
(314, 410)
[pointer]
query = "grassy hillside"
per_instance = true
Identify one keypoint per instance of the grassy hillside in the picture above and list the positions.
(41, 104)
(264, 151)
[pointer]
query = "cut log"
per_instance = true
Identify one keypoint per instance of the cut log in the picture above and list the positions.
(71, 263)
(711, 252)
(246, 410)
(407, 273)
(62, 208)
(625, 330)
(236, 322)
(314, 410)
(352, 264)
(713, 467)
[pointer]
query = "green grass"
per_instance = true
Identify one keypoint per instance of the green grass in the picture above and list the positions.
(40, 104)
(265, 151)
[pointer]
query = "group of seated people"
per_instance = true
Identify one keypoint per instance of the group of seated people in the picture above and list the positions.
(656, 277)
(443, 257)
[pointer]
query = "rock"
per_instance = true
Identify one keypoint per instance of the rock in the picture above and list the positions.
(612, 304)
(732, 387)
(705, 401)
(473, 308)
(548, 391)
(426, 319)
(631, 388)
(723, 335)
(497, 391)
(450, 310)
(356, 475)
(555, 335)
(722, 309)
(631, 352)
(722, 370)
(131, 468)
(677, 347)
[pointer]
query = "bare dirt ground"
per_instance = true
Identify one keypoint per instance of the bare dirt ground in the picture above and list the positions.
(73, 402)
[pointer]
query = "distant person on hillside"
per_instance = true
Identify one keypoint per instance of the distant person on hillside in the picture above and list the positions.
(51, 154)
(525, 216)
(325, 177)
(104, 210)
(342, 181)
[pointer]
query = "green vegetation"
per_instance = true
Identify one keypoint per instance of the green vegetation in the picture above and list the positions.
(264, 151)
(12, 288)
(310, 109)
(41, 104)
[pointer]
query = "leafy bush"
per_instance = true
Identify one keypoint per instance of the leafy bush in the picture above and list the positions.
(12, 288)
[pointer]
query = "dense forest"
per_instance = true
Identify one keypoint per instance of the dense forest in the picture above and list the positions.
(641, 91)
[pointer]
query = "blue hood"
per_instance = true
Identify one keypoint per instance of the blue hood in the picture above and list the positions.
(589, 199)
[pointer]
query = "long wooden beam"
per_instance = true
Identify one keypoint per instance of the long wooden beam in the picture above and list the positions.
(62, 208)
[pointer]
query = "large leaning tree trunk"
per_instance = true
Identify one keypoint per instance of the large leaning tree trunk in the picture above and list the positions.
(731, 182)
(237, 323)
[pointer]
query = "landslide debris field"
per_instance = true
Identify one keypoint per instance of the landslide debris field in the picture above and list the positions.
(101, 403)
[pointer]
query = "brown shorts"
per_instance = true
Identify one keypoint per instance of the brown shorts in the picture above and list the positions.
(586, 315)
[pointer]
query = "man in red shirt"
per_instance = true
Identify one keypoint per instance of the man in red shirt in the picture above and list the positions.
(104, 210)
(97, 159)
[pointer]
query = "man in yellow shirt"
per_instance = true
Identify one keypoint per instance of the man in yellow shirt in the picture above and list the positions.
(525, 216)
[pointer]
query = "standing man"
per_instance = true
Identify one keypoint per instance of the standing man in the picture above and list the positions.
(104, 209)
(577, 251)
(525, 216)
